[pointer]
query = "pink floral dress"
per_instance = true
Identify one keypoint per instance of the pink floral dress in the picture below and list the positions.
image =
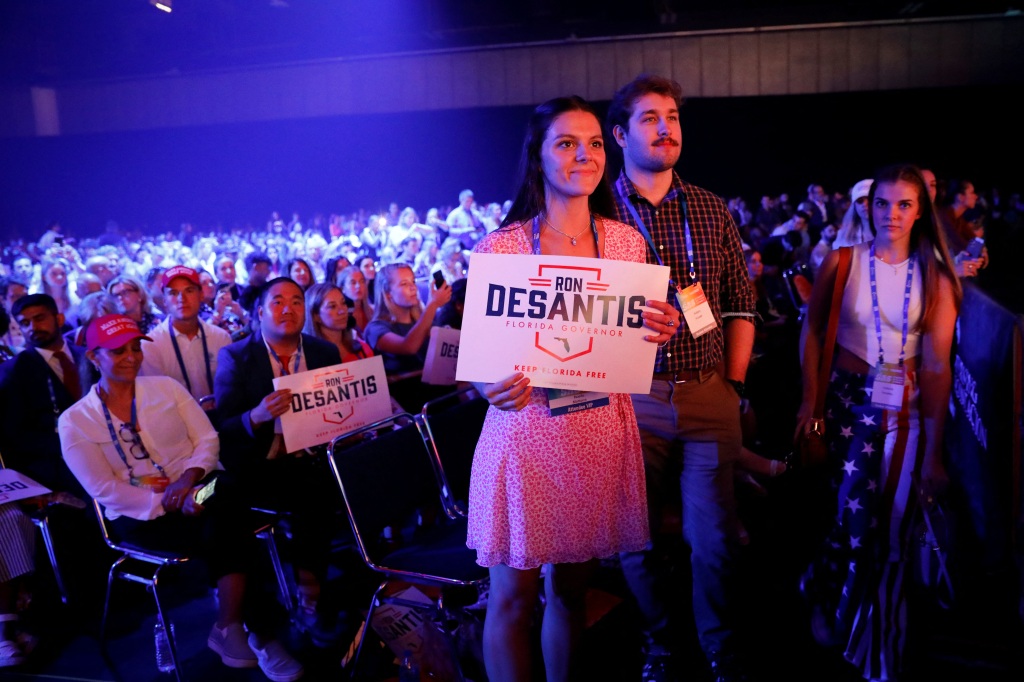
(562, 489)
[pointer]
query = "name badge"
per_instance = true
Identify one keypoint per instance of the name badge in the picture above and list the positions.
(696, 311)
(887, 387)
(154, 482)
(562, 401)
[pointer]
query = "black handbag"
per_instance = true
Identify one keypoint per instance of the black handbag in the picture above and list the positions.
(931, 541)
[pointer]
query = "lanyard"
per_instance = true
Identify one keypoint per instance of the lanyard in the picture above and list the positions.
(53, 398)
(117, 441)
(650, 240)
(181, 361)
(536, 235)
(906, 306)
(297, 356)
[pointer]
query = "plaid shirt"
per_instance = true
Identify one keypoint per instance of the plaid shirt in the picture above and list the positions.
(718, 257)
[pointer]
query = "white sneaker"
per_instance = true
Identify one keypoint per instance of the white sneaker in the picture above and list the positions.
(232, 645)
(275, 661)
(10, 654)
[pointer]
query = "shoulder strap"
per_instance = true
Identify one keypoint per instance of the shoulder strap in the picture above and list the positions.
(825, 369)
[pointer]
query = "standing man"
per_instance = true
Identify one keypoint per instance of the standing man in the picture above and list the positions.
(690, 422)
(184, 347)
(465, 222)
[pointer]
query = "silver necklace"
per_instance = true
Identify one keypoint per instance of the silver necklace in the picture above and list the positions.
(572, 237)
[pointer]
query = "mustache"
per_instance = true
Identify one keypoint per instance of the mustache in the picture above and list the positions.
(665, 141)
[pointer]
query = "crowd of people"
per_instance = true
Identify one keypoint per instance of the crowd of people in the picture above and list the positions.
(138, 369)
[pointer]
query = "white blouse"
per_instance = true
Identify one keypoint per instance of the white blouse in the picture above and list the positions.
(176, 432)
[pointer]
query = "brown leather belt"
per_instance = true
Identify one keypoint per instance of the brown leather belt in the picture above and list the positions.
(685, 376)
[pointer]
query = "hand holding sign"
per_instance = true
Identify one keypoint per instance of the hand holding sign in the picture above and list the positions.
(271, 407)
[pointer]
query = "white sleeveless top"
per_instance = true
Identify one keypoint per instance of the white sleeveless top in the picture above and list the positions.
(857, 324)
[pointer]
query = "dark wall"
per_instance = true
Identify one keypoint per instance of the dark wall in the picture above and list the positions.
(240, 173)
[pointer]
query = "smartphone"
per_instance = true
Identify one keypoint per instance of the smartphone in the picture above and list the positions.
(975, 247)
(438, 279)
(204, 493)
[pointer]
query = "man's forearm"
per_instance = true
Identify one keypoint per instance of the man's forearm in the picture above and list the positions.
(739, 343)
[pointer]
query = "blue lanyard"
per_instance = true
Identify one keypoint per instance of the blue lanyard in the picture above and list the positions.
(650, 240)
(117, 441)
(906, 305)
(181, 361)
(297, 356)
(536, 235)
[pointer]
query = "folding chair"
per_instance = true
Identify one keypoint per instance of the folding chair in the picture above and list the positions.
(799, 282)
(41, 519)
(451, 427)
(387, 480)
(122, 570)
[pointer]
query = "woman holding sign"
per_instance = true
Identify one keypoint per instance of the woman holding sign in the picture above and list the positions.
(556, 490)
(144, 448)
(886, 399)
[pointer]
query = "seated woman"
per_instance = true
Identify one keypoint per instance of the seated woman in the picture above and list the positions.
(134, 301)
(400, 330)
(328, 318)
(143, 448)
(17, 552)
(301, 272)
(352, 282)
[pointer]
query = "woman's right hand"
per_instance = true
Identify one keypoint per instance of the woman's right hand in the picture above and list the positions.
(967, 266)
(440, 295)
(804, 415)
(510, 393)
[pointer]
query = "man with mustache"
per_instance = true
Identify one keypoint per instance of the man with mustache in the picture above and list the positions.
(690, 421)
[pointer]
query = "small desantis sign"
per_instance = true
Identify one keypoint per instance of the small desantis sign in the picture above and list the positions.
(565, 322)
(332, 401)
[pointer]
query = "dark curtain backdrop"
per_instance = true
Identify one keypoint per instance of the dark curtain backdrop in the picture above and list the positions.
(237, 174)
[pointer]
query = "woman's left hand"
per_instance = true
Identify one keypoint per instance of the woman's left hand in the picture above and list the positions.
(190, 507)
(933, 480)
(664, 319)
(178, 492)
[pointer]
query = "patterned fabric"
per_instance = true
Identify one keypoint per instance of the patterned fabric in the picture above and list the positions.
(17, 542)
(560, 489)
(718, 255)
(857, 582)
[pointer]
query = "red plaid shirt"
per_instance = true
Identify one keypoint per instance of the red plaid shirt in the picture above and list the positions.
(718, 258)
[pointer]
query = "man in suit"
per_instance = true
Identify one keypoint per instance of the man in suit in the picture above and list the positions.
(248, 419)
(37, 385)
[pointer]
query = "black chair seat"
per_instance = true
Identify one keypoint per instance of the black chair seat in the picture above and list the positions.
(437, 551)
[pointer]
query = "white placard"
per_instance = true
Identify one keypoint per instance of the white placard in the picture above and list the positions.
(564, 321)
(17, 486)
(442, 356)
(332, 401)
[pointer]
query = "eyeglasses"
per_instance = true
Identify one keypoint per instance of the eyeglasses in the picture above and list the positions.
(136, 448)
(120, 293)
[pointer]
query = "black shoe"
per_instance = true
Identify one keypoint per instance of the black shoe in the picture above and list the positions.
(658, 668)
(727, 668)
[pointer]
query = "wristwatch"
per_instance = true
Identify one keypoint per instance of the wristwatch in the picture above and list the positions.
(740, 387)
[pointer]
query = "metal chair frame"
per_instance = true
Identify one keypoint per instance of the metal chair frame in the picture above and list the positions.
(390, 573)
(427, 420)
(121, 571)
(41, 520)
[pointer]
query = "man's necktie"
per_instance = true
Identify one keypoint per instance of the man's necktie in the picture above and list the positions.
(71, 380)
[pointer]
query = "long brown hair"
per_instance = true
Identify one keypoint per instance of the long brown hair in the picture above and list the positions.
(926, 237)
(529, 200)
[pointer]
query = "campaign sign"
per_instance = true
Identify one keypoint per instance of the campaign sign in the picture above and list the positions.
(442, 356)
(563, 321)
(18, 486)
(332, 401)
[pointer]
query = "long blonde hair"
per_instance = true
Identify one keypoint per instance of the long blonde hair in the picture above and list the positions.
(386, 277)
